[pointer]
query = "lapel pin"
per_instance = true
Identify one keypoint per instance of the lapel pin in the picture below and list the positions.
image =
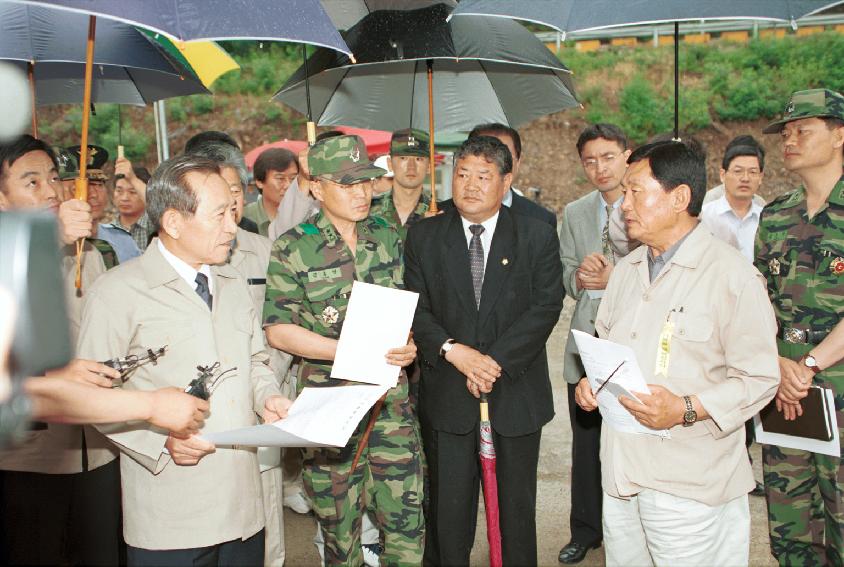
(504, 261)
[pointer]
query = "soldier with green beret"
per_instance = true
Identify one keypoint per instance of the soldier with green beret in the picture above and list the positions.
(309, 280)
(800, 251)
(410, 160)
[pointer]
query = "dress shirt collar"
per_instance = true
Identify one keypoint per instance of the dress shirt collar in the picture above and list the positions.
(722, 206)
(656, 264)
(488, 224)
(507, 201)
(185, 271)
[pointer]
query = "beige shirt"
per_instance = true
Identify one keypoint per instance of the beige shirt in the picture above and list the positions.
(723, 350)
(58, 448)
(146, 304)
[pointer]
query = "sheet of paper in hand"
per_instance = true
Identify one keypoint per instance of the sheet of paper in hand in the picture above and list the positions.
(377, 319)
(600, 359)
(320, 417)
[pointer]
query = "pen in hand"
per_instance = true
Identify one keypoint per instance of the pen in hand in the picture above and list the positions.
(601, 387)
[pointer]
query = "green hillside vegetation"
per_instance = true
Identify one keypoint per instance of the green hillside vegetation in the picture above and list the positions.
(633, 87)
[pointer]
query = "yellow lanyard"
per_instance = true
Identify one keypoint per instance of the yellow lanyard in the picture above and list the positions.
(663, 352)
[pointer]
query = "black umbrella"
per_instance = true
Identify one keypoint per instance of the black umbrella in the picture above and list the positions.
(299, 21)
(487, 69)
(581, 15)
(129, 67)
(346, 13)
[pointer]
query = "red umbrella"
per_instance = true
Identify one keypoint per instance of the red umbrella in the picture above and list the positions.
(490, 480)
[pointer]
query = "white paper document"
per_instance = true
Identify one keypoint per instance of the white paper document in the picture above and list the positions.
(600, 358)
(320, 417)
(377, 319)
(832, 448)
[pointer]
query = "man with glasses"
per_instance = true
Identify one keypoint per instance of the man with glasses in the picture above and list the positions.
(587, 262)
(734, 216)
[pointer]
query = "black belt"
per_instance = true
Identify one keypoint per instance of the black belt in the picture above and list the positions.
(803, 336)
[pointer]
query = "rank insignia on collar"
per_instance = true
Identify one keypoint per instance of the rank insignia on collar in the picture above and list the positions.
(330, 315)
(774, 266)
(837, 266)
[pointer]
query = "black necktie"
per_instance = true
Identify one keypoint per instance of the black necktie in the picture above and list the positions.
(476, 260)
(202, 289)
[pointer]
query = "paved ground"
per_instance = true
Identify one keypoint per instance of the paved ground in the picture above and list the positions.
(553, 490)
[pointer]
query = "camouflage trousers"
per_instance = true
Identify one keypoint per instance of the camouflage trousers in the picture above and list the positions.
(387, 482)
(805, 491)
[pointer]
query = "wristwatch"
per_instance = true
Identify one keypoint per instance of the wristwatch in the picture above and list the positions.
(810, 363)
(447, 346)
(691, 415)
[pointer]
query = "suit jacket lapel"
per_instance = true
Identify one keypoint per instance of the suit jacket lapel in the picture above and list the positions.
(499, 263)
(455, 253)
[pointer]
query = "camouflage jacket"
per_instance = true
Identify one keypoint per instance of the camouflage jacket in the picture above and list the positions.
(385, 209)
(109, 255)
(802, 259)
(310, 277)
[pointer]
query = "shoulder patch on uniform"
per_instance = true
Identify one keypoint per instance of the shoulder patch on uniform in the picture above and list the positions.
(309, 228)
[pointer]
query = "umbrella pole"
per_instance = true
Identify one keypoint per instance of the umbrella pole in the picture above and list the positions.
(490, 484)
(82, 180)
(30, 71)
(433, 167)
(311, 125)
(677, 81)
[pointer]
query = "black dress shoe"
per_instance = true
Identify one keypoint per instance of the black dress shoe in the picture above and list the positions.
(574, 552)
(758, 490)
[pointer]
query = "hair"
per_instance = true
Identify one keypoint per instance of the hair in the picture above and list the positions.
(598, 131)
(14, 150)
(141, 173)
(168, 187)
(743, 146)
(277, 159)
(691, 142)
(328, 134)
(225, 156)
(498, 129)
(674, 164)
(490, 148)
(209, 136)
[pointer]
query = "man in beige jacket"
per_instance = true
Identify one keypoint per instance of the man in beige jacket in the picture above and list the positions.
(59, 488)
(697, 315)
(184, 501)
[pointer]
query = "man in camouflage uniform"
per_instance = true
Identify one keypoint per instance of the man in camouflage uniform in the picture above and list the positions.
(800, 251)
(405, 204)
(312, 268)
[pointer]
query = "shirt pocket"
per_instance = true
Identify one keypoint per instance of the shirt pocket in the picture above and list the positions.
(691, 345)
(328, 300)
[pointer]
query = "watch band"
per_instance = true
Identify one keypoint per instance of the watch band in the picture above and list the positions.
(804, 360)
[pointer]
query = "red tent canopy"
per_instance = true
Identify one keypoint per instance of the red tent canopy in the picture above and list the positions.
(377, 143)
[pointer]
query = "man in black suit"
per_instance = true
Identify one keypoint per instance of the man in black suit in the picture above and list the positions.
(490, 292)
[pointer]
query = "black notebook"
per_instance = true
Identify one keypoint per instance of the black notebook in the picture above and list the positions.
(815, 423)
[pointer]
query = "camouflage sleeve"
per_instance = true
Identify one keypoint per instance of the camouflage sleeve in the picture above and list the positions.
(762, 252)
(285, 290)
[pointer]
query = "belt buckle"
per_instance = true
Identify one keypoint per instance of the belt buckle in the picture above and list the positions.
(794, 336)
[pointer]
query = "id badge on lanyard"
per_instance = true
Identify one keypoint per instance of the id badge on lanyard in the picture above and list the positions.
(663, 353)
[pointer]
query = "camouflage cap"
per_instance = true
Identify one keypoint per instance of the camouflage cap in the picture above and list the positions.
(409, 142)
(68, 164)
(809, 104)
(342, 159)
(97, 158)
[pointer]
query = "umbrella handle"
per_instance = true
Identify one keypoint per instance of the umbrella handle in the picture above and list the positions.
(432, 165)
(376, 409)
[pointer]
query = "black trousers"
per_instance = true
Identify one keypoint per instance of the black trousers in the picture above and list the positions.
(455, 478)
(61, 519)
(239, 552)
(586, 491)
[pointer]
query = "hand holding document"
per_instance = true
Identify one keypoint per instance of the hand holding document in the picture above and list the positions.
(377, 319)
(612, 371)
(320, 417)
